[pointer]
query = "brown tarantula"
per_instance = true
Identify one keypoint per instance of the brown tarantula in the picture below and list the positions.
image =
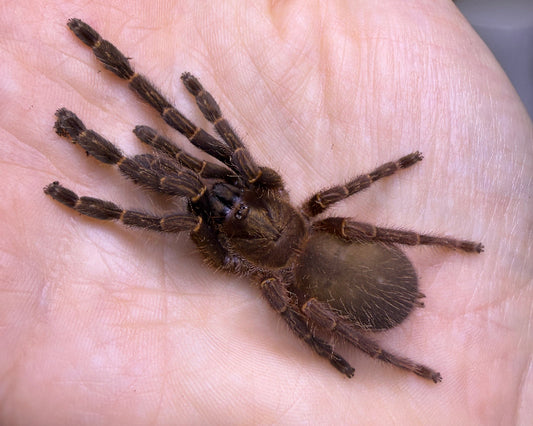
(332, 276)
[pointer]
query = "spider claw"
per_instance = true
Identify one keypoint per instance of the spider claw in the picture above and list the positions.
(436, 377)
(342, 365)
(83, 31)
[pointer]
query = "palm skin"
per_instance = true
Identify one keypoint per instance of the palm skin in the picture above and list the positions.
(112, 325)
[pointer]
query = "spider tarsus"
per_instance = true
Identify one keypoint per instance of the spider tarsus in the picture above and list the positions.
(68, 124)
(436, 377)
(410, 159)
(210, 109)
(191, 83)
(83, 31)
(61, 194)
(110, 57)
(479, 248)
(427, 373)
(150, 137)
(145, 133)
(342, 365)
(408, 365)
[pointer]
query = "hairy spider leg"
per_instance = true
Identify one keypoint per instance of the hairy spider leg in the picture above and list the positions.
(322, 315)
(278, 297)
(113, 60)
(322, 200)
(241, 157)
(106, 210)
(204, 169)
(155, 173)
(158, 174)
(351, 230)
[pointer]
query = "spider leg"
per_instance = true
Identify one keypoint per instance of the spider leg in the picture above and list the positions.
(320, 314)
(351, 230)
(235, 157)
(204, 169)
(240, 156)
(278, 297)
(156, 173)
(200, 232)
(106, 210)
(113, 60)
(321, 201)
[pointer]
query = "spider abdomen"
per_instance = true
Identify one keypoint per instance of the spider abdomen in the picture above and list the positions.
(373, 285)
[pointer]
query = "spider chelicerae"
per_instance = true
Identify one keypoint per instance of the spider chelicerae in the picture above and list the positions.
(333, 276)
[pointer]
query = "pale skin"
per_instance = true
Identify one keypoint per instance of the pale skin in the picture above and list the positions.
(102, 324)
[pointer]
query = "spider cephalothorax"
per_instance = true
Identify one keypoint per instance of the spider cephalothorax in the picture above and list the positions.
(332, 275)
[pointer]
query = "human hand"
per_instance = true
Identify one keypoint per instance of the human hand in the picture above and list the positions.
(104, 324)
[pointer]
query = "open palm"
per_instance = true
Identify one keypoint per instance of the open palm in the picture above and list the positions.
(103, 324)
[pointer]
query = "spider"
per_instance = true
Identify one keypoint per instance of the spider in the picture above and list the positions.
(333, 277)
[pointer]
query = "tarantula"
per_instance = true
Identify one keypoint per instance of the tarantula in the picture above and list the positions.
(332, 276)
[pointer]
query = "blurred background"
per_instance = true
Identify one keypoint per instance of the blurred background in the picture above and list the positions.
(506, 27)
